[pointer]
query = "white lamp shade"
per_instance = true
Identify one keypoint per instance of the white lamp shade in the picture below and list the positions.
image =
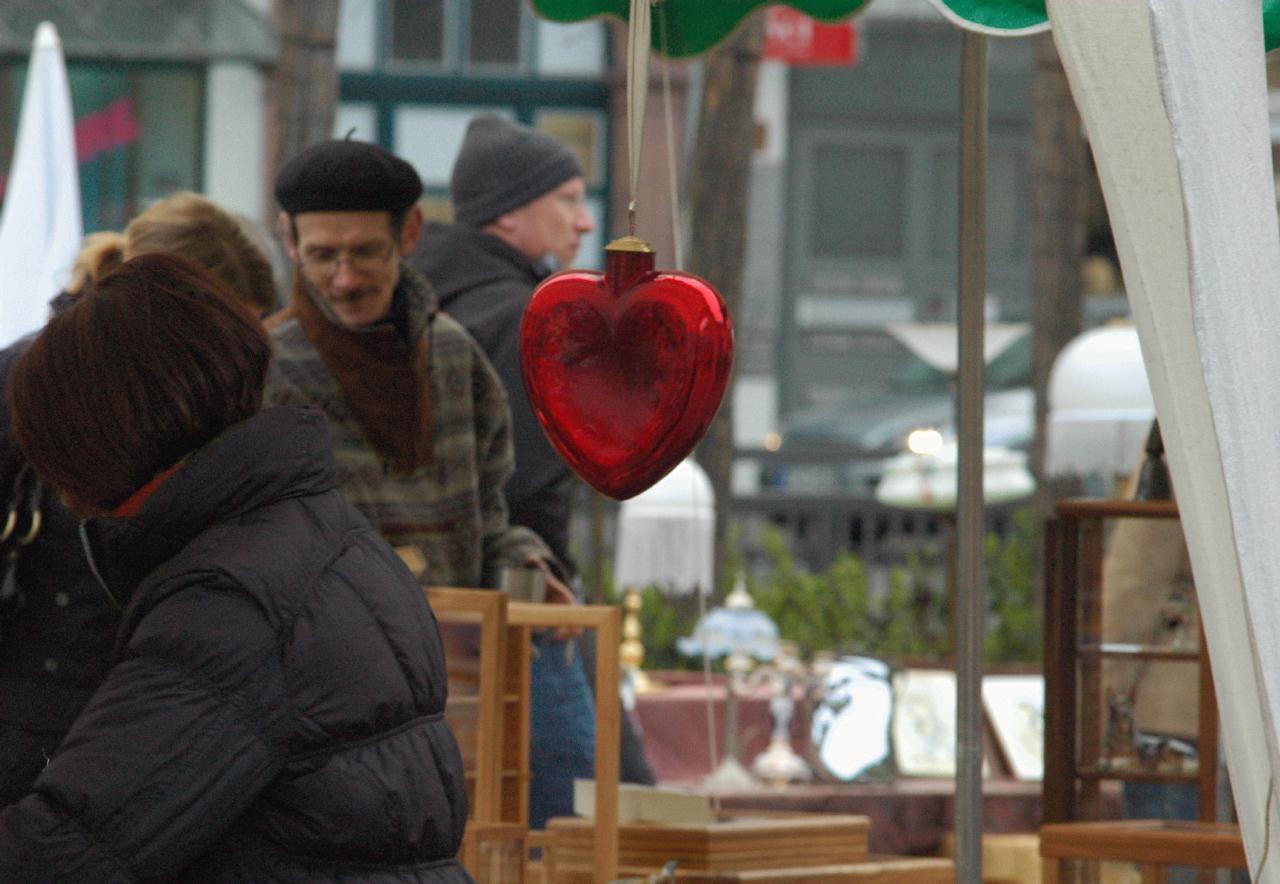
(666, 535)
(938, 343)
(928, 481)
(1100, 406)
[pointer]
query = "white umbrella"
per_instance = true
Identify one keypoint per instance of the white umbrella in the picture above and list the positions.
(40, 228)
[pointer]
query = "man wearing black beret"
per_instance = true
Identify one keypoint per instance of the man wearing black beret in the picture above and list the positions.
(419, 419)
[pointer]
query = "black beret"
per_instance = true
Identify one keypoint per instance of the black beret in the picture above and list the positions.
(347, 176)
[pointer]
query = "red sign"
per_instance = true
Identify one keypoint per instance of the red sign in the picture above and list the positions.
(796, 38)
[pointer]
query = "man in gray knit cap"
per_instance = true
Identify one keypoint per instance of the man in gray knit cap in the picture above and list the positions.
(518, 199)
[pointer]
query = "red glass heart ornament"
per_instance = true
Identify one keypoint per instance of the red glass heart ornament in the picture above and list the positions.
(626, 368)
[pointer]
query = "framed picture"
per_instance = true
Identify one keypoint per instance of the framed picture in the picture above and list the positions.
(924, 722)
(1015, 708)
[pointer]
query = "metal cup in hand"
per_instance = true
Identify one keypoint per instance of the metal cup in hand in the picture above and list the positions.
(523, 584)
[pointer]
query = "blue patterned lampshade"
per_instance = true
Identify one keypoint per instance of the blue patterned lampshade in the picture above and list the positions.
(737, 627)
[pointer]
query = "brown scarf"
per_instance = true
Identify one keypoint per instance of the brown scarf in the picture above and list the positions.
(383, 378)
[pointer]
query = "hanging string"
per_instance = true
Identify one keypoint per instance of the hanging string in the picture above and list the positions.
(672, 177)
(637, 95)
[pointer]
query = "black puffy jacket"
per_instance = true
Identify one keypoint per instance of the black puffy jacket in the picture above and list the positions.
(275, 711)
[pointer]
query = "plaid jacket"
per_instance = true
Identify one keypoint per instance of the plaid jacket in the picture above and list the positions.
(453, 511)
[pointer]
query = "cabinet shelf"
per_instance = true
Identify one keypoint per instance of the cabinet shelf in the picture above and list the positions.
(1138, 775)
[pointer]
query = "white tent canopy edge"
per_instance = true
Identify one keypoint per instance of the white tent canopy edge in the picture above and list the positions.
(1174, 97)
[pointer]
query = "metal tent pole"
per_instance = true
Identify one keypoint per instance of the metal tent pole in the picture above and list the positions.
(970, 602)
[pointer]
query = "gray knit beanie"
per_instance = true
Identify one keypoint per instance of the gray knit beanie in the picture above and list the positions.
(502, 166)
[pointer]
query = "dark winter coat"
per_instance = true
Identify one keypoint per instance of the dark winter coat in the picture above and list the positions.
(275, 713)
(56, 639)
(484, 283)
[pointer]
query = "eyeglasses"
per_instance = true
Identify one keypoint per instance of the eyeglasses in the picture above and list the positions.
(364, 258)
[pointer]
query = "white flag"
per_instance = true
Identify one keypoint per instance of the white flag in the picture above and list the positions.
(40, 227)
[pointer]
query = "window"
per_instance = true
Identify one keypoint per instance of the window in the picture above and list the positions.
(138, 134)
(1007, 194)
(417, 30)
(858, 201)
(460, 35)
(571, 49)
(485, 37)
(414, 73)
(430, 138)
(584, 132)
(494, 32)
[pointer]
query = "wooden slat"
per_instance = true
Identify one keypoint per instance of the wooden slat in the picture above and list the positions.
(1088, 508)
(1093, 709)
(487, 610)
(1060, 546)
(606, 620)
(1161, 842)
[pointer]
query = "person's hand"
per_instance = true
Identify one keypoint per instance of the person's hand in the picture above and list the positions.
(557, 593)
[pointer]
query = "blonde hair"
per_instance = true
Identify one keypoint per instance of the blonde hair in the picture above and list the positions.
(196, 228)
(102, 252)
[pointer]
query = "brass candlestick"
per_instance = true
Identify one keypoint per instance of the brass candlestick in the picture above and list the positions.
(631, 651)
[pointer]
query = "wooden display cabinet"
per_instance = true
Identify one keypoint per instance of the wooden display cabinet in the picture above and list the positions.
(1076, 757)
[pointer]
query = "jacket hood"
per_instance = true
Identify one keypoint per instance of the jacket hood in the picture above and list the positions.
(458, 259)
(277, 454)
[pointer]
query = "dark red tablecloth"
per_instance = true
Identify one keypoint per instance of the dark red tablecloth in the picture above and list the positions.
(908, 815)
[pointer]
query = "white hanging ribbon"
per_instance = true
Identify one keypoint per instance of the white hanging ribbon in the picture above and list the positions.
(637, 95)
(677, 240)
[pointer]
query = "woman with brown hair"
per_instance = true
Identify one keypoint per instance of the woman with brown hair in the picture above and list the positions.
(56, 626)
(275, 708)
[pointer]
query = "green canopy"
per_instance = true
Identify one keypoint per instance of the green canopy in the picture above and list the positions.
(688, 27)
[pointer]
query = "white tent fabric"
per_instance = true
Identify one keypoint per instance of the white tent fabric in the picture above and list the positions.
(1173, 94)
(666, 534)
(40, 226)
